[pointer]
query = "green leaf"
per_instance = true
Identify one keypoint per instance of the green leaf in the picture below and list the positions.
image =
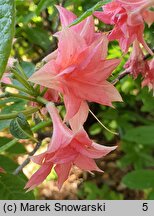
(4, 124)
(43, 4)
(20, 128)
(18, 148)
(39, 37)
(142, 135)
(151, 195)
(8, 164)
(89, 12)
(140, 179)
(7, 23)
(12, 188)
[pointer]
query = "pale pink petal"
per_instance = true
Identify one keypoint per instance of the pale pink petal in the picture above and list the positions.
(51, 56)
(66, 17)
(64, 155)
(72, 104)
(103, 93)
(61, 133)
(102, 70)
(148, 17)
(45, 76)
(39, 176)
(62, 171)
(94, 151)
(88, 30)
(68, 47)
(38, 159)
(86, 164)
(5, 79)
(80, 117)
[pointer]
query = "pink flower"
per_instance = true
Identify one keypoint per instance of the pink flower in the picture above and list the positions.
(136, 64)
(5, 78)
(149, 76)
(86, 29)
(2, 170)
(79, 72)
(128, 20)
(66, 149)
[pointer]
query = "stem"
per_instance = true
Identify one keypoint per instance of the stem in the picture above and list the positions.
(43, 92)
(34, 129)
(22, 71)
(16, 87)
(14, 115)
(42, 100)
(8, 94)
(27, 159)
(41, 125)
(23, 81)
(120, 76)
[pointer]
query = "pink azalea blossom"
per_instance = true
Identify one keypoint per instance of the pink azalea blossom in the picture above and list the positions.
(149, 76)
(79, 72)
(85, 29)
(128, 19)
(136, 64)
(66, 148)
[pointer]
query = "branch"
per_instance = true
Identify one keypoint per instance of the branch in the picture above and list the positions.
(126, 72)
(27, 159)
(121, 76)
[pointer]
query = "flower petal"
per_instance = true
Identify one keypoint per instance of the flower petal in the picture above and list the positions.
(86, 164)
(39, 176)
(62, 171)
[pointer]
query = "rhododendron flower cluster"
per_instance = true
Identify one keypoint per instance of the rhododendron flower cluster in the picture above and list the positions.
(128, 19)
(78, 70)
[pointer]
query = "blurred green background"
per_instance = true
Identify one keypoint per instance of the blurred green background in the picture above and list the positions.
(129, 171)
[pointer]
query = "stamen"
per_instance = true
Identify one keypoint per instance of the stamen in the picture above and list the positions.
(102, 124)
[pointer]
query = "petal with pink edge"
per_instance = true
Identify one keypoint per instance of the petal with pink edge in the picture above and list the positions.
(68, 47)
(62, 171)
(72, 104)
(39, 176)
(86, 164)
(62, 135)
(66, 17)
(80, 117)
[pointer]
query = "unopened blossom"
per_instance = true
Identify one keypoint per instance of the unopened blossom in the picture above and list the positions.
(128, 19)
(136, 64)
(2, 170)
(67, 148)
(79, 72)
(149, 76)
(5, 78)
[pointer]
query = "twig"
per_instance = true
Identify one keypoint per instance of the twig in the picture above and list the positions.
(126, 72)
(121, 76)
(27, 159)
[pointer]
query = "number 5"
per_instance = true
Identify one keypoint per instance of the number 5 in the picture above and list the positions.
(145, 207)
